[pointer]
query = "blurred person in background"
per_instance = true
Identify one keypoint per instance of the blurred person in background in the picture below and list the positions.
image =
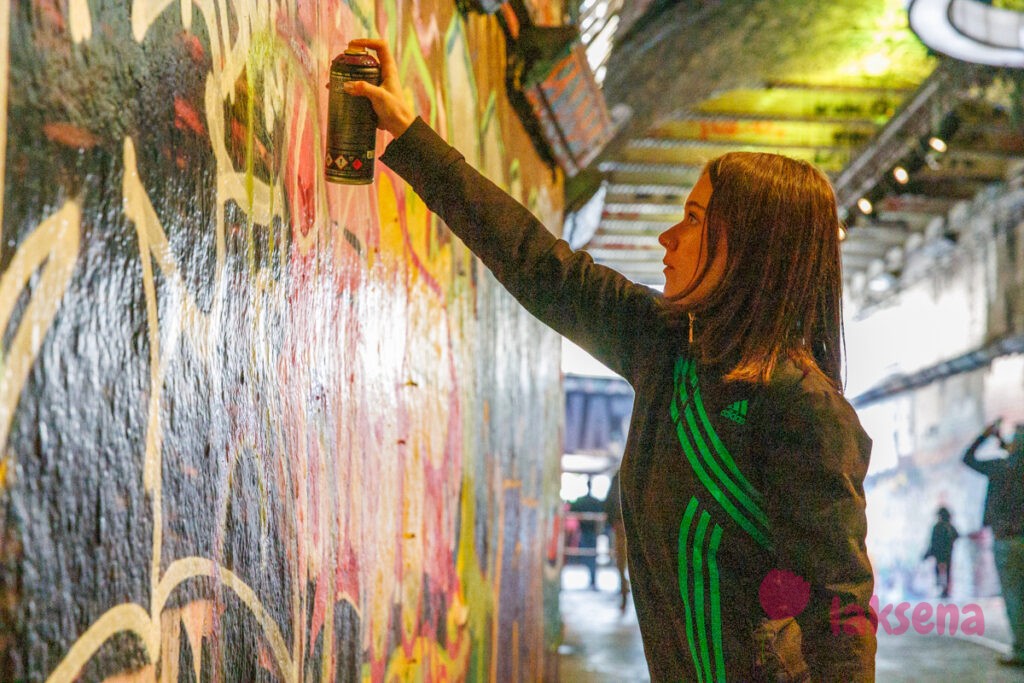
(944, 535)
(588, 508)
(1004, 514)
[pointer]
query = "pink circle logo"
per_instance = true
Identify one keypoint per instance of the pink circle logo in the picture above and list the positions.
(783, 594)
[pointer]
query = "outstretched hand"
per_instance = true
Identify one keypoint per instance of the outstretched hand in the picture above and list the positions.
(393, 115)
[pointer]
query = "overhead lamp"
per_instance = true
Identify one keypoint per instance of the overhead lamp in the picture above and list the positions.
(969, 30)
(882, 282)
(842, 233)
(901, 175)
(864, 204)
(938, 144)
(877, 64)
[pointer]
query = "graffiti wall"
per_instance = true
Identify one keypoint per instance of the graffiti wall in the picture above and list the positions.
(256, 427)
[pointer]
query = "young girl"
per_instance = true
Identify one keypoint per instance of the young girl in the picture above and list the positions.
(742, 478)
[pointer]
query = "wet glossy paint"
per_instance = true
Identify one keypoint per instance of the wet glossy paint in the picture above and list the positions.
(256, 426)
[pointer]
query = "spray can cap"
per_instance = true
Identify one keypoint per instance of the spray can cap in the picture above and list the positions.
(355, 50)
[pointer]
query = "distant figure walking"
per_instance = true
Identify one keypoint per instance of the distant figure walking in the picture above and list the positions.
(589, 508)
(944, 535)
(1004, 513)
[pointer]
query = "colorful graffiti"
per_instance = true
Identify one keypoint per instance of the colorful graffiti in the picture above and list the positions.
(256, 426)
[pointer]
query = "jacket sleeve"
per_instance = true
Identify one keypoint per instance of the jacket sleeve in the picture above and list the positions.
(594, 306)
(986, 467)
(814, 472)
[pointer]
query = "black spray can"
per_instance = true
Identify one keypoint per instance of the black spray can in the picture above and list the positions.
(351, 121)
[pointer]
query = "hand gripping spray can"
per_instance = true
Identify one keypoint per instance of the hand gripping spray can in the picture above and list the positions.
(351, 121)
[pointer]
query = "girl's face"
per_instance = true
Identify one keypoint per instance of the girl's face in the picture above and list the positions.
(686, 249)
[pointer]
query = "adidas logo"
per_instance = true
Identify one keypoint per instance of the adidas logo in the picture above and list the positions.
(737, 412)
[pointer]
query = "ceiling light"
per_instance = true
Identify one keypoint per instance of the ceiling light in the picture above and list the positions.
(842, 233)
(864, 204)
(881, 283)
(948, 27)
(901, 175)
(937, 144)
(876, 64)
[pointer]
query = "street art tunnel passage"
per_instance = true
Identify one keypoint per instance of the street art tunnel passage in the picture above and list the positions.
(257, 427)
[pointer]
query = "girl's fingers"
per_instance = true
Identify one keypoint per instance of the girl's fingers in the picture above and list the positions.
(387, 62)
(381, 100)
(386, 98)
(376, 43)
(369, 90)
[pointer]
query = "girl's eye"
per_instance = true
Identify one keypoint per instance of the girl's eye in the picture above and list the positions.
(692, 217)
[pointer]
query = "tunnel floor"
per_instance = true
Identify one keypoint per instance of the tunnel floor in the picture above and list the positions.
(601, 644)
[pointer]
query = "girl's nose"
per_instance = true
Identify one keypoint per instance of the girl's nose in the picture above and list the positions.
(666, 240)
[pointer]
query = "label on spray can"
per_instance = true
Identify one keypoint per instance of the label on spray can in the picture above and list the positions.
(351, 121)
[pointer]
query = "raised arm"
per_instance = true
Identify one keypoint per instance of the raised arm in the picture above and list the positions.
(986, 467)
(592, 305)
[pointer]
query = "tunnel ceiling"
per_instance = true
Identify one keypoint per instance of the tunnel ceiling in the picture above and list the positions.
(843, 84)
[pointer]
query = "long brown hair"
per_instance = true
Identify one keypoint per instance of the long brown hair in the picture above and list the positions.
(781, 294)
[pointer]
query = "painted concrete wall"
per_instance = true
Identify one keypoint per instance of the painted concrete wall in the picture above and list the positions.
(951, 300)
(255, 426)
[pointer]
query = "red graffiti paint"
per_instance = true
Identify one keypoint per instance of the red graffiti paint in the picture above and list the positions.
(50, 14)
(70, 135)
(185, 116)
(301, 171)
(194, 47)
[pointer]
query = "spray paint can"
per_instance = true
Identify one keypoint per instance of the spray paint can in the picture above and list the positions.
(351, 121)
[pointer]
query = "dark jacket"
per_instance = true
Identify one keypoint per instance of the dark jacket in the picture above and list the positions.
(725, 487)
(1004, 500)
(944, 535)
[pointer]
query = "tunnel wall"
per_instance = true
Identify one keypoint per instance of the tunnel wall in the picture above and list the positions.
(954, 297)
(258, 427)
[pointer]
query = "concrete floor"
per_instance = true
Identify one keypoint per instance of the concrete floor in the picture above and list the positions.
(601, 644)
